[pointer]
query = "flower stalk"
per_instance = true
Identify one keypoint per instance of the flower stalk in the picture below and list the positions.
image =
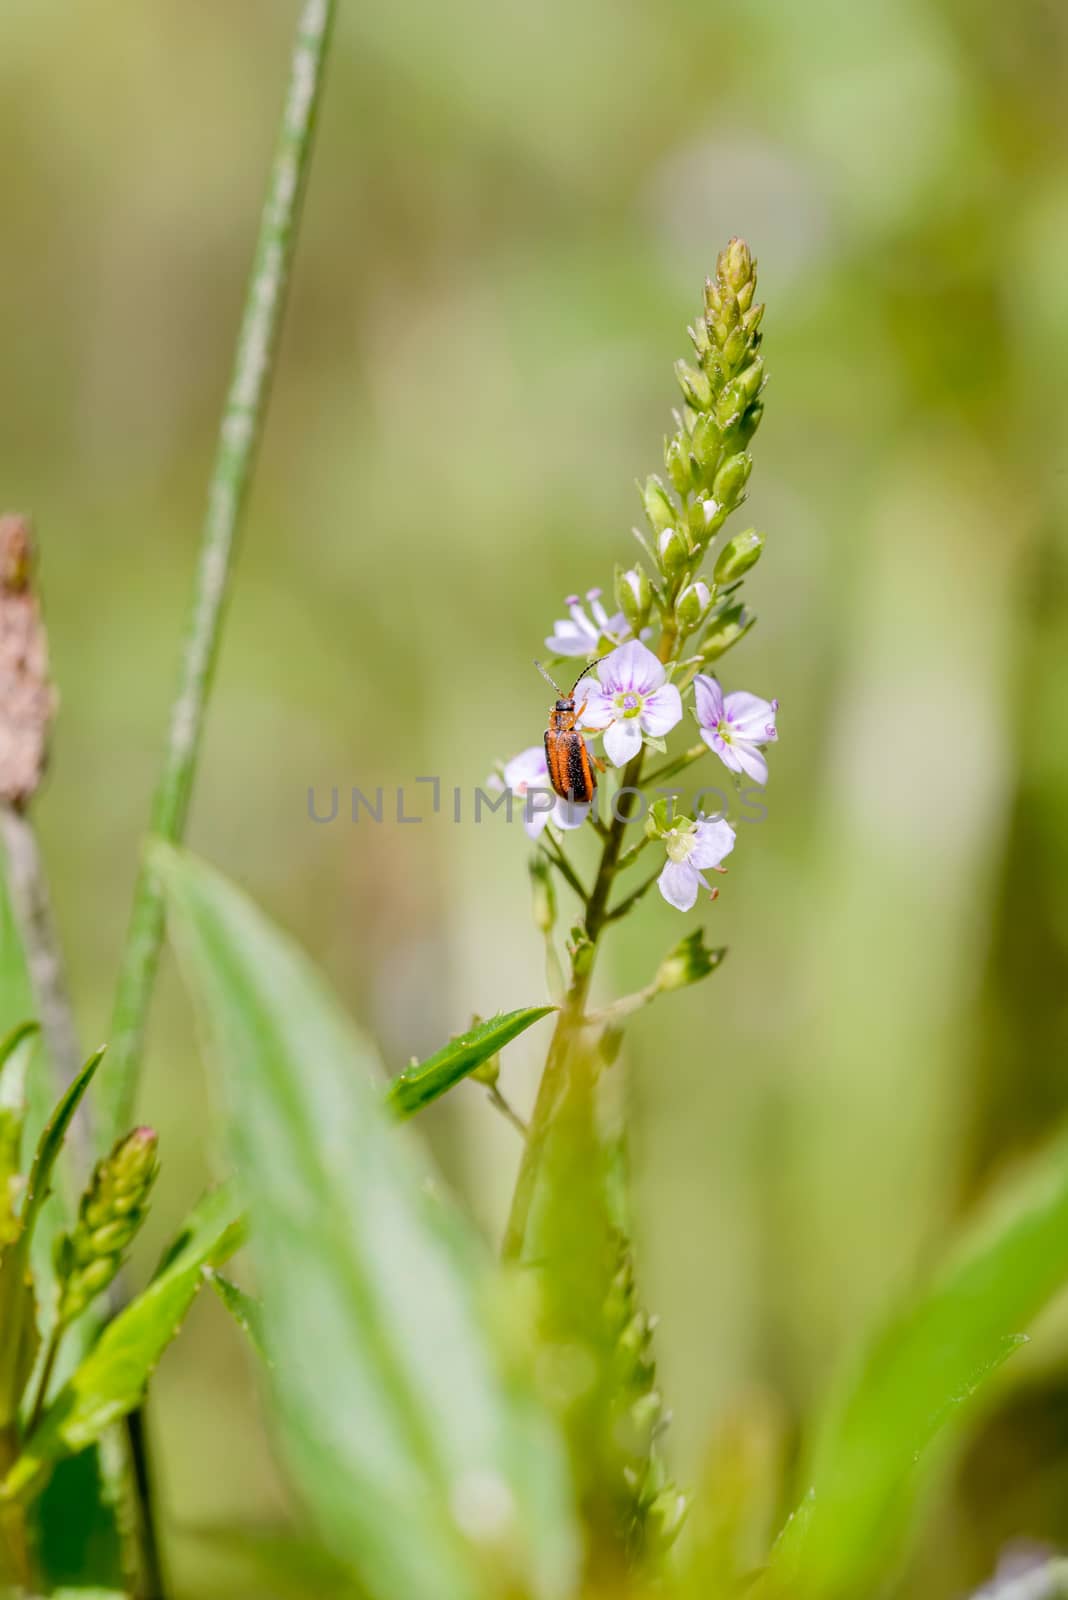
(634, 700)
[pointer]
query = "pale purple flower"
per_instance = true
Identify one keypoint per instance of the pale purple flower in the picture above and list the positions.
(528, 772)
(632, 701)
(735, 726)
(692, 849)
(582, 632)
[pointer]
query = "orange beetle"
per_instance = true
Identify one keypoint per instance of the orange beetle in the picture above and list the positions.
(566, 755)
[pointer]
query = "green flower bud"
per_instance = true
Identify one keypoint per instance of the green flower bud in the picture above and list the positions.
(707, 442)
(658, 506)
(679, 464)
(751, 380)
(689, 962)
(692, 604)
(732, 478)
(695, 385)
(666, 1515)
(725, 629)
(736, 265)
(660, 819)
(543, 893)
(672, 552)
(634, 595)
(745, 429)
(737, 556)
(109, 1215)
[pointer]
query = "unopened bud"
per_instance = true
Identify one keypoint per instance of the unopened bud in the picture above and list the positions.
(678, 461)
(658, 506)
(634, 595)
(695, 386)
(689, 962)
(672, 552)
(726, 628)
(736, 265)
(738, 555)
(692, 604)
(707, 442)
(109, 1215)
(543, 893)
(732, 478)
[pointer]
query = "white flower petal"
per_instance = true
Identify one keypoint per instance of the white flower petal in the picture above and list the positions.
(569, 813)
(717, 744)
(538, 807)
(715, 840)
(661, 710)
(622, 741)
(750, 717)
(751, 761)
(596, 707)
(678, 884)
(632, 669)
(708, 697)
(567, 640)
(526, 769)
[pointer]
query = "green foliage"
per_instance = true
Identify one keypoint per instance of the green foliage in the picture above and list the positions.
(245, 1310)
(15, 1052)
(916, 1378)
(111, 1380)
(425, 1461)
(425, 1081)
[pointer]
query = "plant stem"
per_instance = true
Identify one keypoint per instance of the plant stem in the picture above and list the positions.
(568, 1030)
(33, 913)
(45, 1379)
(239, 434)
(507, 1110)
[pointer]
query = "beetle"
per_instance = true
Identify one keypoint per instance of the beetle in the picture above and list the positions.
(566, 755)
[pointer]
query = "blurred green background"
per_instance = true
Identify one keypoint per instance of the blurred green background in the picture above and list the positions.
(511, 212)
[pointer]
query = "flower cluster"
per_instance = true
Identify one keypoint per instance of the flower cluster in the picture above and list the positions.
(650, 659)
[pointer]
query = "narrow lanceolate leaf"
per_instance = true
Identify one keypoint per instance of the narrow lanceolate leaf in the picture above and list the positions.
(51, 1143)
(428, 1079)
(389, 1389)
(246, 1312)
(917, 1377)
(111, 1380)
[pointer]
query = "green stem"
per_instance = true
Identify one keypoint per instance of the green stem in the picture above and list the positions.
(239, 434)
(45, 1379)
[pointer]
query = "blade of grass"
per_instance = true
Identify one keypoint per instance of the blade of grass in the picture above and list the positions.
(239, 433)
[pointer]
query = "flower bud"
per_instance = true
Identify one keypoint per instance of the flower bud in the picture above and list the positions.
(695, 386)
(672, 552)
(725, 629)
(678, 462)
(543, 893)
(661, 819)
(750, 422)
(109, 1215)
(751, 380)
(689, 962)
(707, 442)
(732, 478)
(737, 556)
(736, 265)
(658, 506)
(634, 595)
(692, 604)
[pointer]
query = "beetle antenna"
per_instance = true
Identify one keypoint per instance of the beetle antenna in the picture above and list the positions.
(549, 680)
(587, 668)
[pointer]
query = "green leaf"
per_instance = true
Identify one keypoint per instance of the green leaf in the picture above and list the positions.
(424, 1082)
(428, 1467)
(246, 1311)
(51, 1143)
(111, 1380)
(916, 1377)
